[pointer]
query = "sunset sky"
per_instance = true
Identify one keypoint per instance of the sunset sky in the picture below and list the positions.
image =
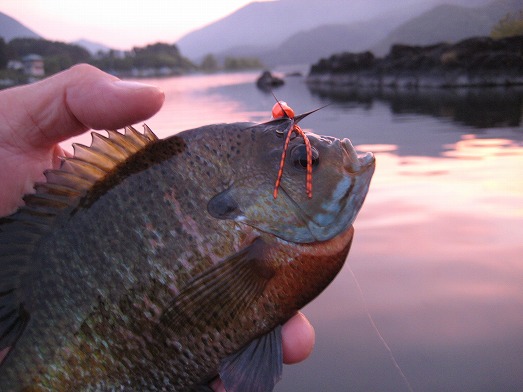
(119, 24)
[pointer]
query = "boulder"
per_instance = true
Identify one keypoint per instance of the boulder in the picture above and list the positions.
(268, 81)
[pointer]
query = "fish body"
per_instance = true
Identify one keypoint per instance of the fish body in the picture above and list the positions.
(146, 264)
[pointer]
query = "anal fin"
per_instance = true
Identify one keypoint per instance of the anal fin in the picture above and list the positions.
(257, 367)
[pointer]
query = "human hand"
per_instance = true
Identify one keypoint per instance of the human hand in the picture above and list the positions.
(36, 117)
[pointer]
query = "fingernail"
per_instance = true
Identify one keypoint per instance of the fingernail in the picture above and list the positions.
(130, 85)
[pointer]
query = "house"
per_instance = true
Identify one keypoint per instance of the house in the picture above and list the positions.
(33, 65)
(15, 65)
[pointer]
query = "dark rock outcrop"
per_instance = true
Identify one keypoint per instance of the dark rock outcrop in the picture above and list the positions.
(478, 61)
(267, 81)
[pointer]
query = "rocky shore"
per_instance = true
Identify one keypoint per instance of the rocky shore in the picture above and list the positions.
(475, 62)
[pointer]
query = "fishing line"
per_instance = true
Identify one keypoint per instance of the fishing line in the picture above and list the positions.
(378, 333)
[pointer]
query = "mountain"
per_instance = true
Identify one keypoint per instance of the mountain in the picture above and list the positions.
(448, 23)
(92, 47)
(306, 47)
(264, 26)
(10, 28)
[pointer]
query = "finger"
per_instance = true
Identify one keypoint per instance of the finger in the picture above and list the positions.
(298, 339)
(217, 386)
(298, 342)
(66, 104)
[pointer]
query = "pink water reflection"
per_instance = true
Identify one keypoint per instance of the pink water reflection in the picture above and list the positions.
(189, 104)
(453, 236)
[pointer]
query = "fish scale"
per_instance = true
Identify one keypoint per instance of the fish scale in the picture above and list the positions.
(160, 264)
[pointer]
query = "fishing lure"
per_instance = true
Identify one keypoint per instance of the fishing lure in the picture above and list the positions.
(282, 110)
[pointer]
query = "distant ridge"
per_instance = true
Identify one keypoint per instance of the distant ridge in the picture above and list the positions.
(448, 23)
(325, 40)
(269, 24)
(10, 28)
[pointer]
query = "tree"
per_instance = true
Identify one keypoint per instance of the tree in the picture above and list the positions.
(3, 53)
(510, 25)
(209, 64)
(242, 63)
(160, 55)
(113, 60)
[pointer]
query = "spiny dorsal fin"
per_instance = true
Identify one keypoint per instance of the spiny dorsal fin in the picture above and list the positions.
(64, 187)
(62, 191)
(91, 164)
(107, 152)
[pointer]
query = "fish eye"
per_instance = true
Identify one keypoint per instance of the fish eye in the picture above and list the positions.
(299, 156)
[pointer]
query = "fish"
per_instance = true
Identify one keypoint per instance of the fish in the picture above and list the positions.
(162, 264)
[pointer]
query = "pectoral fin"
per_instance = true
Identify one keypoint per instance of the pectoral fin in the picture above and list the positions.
(221, 292)
(257, 367)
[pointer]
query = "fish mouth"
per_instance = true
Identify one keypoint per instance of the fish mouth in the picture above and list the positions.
(346, 203)
(354, 162)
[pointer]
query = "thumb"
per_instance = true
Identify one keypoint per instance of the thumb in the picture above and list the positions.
(67, 104)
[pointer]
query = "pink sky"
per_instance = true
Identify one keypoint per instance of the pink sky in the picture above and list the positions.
(119, 24)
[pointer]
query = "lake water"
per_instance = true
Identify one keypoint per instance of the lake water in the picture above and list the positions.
(438, 250)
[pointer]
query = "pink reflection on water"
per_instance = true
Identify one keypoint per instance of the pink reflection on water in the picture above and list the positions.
(188, 103)
(439, 243)
(488, 185)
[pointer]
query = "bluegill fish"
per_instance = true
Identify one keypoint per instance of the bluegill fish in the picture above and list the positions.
(159, 265)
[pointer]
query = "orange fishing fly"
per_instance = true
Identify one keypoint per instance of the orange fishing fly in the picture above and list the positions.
(280, 110)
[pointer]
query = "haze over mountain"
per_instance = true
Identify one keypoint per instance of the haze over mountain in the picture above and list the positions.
(264, 27)
(307, 46)
(10, 28)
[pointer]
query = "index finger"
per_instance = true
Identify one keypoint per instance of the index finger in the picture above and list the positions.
(69, 103)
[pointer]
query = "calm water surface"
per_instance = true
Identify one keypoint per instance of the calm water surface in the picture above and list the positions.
(438, 250)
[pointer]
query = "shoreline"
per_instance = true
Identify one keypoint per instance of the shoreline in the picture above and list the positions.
(475, 62)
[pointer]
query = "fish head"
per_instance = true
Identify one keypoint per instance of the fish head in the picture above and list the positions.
(340, 182)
